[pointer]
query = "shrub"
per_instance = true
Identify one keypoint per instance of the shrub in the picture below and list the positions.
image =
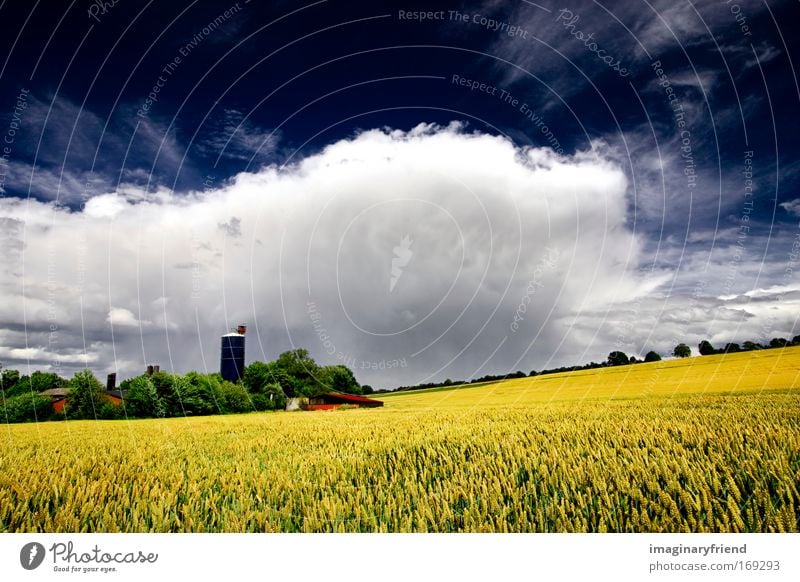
(682, 351)
(235, 398)
(143, 400)
(86, 395)
(26, 408)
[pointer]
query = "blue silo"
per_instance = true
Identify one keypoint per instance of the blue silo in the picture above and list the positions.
(231, 364)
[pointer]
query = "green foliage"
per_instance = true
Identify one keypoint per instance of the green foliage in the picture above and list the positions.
(235, 398)
(142, 400)
(367, 389)
(302, 371)
(340, 378)
(618, 358)
(199, 394)
(750, 346)
(682, 351)
(652, 357)
(271, 398)
(25, 408)
(86, 395)
(705, 348)
(731, 348)
(9, 383)
(164, 383)
(41, 381)
(778, 342)
(110, 411)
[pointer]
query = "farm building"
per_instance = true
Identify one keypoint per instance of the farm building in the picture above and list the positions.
(58, 396)
(334, 401)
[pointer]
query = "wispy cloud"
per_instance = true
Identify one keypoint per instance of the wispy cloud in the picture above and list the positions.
(236, 138)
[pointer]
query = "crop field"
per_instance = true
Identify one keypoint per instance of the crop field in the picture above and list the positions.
(702, 444)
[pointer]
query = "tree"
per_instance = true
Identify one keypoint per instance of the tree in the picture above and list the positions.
(142, 398)
(9, 382)
(778, 342)
(682, 351)
(41, 381)
(235, 398)
(199, 394)
(749, 346)
(86, 395)
(618, 359)
(271, 397)
(168, 392)
(731, 348)
(339, 379)
(796, 340)
(302, 371)
(705, 348)
(262, 378)
(652, 357)
(25, 408)
(367, 389)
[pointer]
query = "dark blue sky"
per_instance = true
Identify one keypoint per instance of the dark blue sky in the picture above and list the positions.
(691, 101)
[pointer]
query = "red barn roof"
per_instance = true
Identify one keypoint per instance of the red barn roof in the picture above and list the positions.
(336, 398)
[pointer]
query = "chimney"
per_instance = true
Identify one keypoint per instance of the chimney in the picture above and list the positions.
(156, 368)
(241, 329)
(149, 370)
(111, 381)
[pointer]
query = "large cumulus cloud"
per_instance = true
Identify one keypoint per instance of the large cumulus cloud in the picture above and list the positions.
(437, 251)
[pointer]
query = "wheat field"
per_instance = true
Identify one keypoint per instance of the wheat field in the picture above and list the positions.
(702, 444)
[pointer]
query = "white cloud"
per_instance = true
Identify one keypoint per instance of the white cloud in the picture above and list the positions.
(498, 231)
(119, 316)
(792, 206)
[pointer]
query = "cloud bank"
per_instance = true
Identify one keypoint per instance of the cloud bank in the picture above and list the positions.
(409, 256)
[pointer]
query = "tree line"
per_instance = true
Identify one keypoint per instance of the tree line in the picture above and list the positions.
(264, 386)
(615, 358)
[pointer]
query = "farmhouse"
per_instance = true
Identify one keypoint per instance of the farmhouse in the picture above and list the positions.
(58, 396)
(334, 401)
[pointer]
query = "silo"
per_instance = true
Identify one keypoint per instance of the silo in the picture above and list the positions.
(231, 364)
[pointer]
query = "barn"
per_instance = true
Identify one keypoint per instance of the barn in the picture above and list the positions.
(58, 396)
(333, 401)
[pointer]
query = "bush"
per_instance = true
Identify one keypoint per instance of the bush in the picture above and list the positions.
(652, 357)
(618, 359)
(199, 394)
(143, 400)
(26, 408)
(705, 348)
(235, 398)
(341, 379)
(110, 411)
(86, 395)
(682, 351)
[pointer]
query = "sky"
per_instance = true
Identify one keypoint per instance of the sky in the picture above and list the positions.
(417, 190)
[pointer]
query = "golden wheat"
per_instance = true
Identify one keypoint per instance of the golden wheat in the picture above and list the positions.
(500, 458)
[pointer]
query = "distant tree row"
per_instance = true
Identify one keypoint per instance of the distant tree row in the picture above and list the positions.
(264, 386)
(706, 349)
(615, 358)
